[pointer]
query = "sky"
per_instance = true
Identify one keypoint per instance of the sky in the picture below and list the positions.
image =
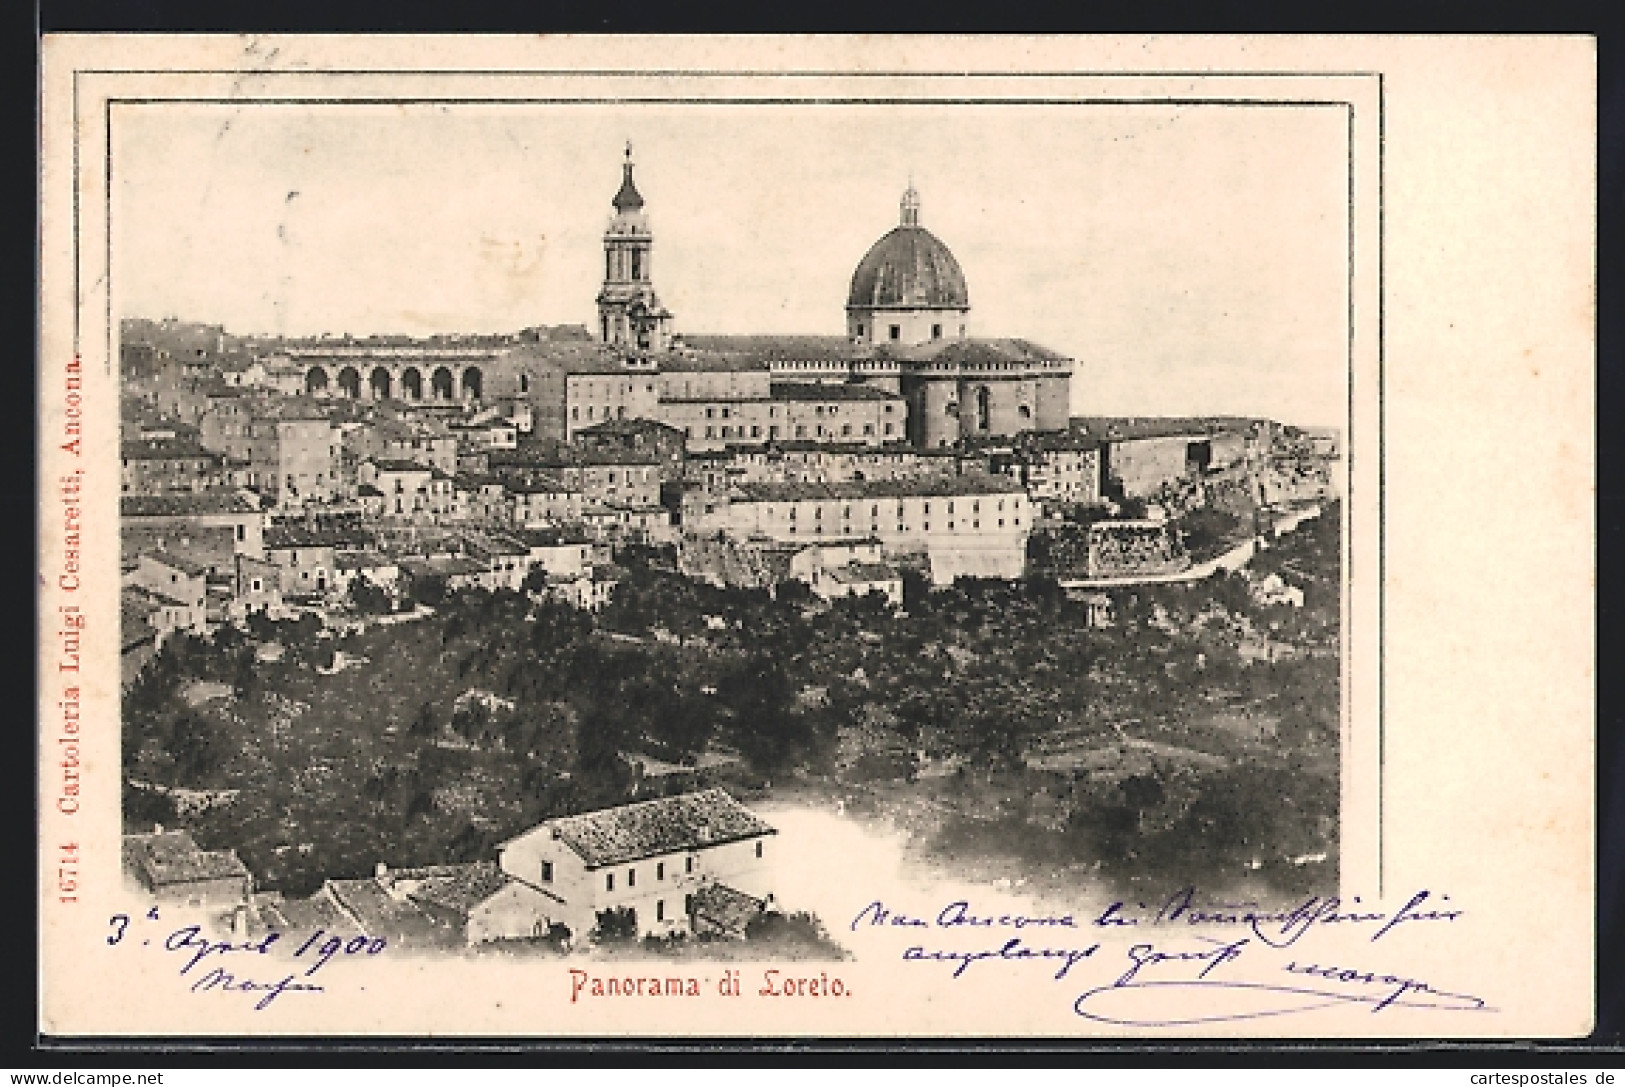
(1192, 259)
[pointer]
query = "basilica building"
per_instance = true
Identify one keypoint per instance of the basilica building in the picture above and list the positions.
(907, 368)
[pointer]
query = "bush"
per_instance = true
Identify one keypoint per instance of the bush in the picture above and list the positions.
(616, 926)
(792, 936)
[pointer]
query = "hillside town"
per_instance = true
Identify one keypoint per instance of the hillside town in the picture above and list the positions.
(316, 505)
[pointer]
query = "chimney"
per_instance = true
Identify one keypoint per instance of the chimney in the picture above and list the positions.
(380, 871)
(239, 920)
(157, 828)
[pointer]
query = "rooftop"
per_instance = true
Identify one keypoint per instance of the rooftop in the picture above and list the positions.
(168, 857)
(924, 487)
(296, 535)
(381, 914)
(165, 449)
(807, 390)
(389, 464)
(175, 561)
(862, 573)
(184, 505)
(457, 888)
(671, 824)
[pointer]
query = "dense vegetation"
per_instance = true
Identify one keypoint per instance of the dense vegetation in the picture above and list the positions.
(1167, 743)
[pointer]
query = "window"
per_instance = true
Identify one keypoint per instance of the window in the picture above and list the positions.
(896, 332)
(547, 871)
(524, 383)
(688, 865)
(239, 533)
(609, 881)
(710, 413)
(758, 850)
(660, 909)
(631, 877)
(936, 332)
(660, 870)
(688, 904)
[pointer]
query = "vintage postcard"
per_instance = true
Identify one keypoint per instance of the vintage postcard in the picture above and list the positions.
(584, 537)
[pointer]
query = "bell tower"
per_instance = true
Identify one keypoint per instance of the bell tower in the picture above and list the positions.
(630, 315)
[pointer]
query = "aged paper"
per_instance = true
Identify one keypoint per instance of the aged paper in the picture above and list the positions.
(464, 617)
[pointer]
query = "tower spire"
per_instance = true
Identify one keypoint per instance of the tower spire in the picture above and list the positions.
(628, 199)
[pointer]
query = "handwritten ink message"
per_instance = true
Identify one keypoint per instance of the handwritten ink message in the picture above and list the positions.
(249, 966)
(1183, 961)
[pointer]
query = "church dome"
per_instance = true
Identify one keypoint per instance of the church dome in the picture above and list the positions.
(909, 268)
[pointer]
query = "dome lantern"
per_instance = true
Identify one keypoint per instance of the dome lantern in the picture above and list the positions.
(911, 205)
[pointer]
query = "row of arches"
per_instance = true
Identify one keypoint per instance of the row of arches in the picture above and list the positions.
(408, 384)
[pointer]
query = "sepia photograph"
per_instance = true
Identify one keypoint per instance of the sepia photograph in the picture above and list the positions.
(688, 537)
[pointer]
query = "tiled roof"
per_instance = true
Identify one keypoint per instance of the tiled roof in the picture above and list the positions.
(924, 487)
(165, 449)
(862, 573)
(361, 560)
(391, 465)
(173, 857)
(775, 348)
(175, 561)
(443, 566)
(206, 545)
(539, 484)
(183, 505)
(571, 357)
(808, 390)
(486, 546)
(380, 914)
(725, 908)
(974, 351)
(308, 915)
(562, 456)
(550, 537)
(454, 887)
(282, 536)
(627, 426)
(671, 824)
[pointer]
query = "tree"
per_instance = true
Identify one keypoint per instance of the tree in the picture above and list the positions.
(426, 724)
(430, 589)
(766, 731)
(367, 598)
(198, 748)
(916, 590)
(616, 926)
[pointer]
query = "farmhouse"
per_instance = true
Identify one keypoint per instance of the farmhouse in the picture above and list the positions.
(657, 858)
